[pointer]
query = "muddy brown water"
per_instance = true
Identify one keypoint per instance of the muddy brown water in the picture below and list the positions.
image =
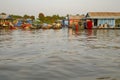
(59, 54)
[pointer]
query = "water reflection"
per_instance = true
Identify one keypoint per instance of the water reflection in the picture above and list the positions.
(60, 54)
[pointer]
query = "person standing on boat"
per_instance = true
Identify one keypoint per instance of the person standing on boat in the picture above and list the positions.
(76, 27)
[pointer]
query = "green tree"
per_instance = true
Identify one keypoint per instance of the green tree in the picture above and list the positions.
(32, 17)
(77, 14)
(26, 16)
(49, 19)
(15, 16)
(41, 17)
(55, 17)
(117, 22)
(3, 13)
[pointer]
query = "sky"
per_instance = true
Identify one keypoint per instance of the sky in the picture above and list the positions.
(61, 7)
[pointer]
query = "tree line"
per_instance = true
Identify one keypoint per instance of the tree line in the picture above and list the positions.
(41, 17)
(49, 19)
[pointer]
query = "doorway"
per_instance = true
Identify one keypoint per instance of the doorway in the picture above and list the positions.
(95, 22)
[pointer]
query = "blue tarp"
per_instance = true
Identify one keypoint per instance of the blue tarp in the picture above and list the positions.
(29, 21)
(19, 23)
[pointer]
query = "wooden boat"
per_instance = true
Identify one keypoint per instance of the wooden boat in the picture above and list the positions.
(57, 26)
(46, 26)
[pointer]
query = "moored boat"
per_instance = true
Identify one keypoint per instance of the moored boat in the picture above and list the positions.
(57, 26)
(46, 26)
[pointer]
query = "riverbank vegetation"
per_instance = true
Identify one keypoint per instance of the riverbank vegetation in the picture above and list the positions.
(49, 19)
(41, 16)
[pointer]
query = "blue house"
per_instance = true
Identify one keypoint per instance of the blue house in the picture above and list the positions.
(101, 18)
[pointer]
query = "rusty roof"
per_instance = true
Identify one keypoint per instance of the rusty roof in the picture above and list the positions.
(76, 16)
(103, 14)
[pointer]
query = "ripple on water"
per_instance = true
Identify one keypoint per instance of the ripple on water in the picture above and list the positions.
(59, 55)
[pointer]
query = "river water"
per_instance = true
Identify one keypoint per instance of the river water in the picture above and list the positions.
(59, 54)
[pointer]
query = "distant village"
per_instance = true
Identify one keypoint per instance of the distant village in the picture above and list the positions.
(91, 20)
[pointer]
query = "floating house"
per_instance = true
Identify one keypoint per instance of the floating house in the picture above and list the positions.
(102, 18)
(5, 17)
(75, 19)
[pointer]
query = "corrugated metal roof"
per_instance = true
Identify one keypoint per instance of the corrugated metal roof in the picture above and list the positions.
(76, 17)
(103, 14)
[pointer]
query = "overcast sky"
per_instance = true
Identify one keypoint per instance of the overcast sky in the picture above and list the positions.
(61, 7)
